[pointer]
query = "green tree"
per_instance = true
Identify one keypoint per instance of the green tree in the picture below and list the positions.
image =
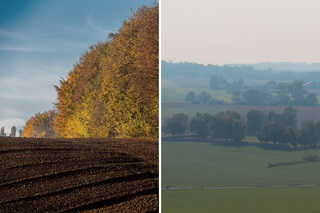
(257, 97)
(255, 121)
(297, 92)
(283, 91)
(272, 131)
(228, 125)
(309, 135)
(203, 98)
(190, 97)
(217, 82)
(289, 116)
(289, 136)
(200, 124)
(274, 117)
(177, 124)
(236, 97)
(311, 99)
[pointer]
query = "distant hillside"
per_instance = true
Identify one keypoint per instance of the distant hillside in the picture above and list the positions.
(247, 72)
(283, 66)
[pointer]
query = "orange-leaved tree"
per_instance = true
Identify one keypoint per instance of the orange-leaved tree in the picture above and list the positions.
(40, 125)
(113, 90)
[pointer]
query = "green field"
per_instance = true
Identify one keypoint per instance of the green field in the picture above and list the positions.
(204, 177)
(172, 95)
(246, 200)
(196, 166)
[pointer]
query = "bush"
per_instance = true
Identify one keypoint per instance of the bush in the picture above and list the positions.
(311, 158)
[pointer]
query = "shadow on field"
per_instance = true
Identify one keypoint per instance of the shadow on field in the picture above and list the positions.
(229, 144)
(223, 143)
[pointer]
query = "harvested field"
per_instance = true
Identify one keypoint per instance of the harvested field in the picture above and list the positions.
(74, 175)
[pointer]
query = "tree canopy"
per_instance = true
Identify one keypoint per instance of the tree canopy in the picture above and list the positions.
(113, 90)
(40, 125)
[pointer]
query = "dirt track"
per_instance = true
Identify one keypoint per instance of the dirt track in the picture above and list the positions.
(92, 175)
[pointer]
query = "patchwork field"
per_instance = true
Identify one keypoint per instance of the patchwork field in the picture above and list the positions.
(74, 175)
(172, 102)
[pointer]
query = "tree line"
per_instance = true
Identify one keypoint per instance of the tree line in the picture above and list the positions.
(231, 126)
(283, 93)
(113, 90)
(193, 70)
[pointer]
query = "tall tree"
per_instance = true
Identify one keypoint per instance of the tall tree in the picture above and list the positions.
(289, 116)
(200, 124)
(130, 84)
(228, 125)
(177, 124)
(190, 97)
(217, 82)
(255, 121)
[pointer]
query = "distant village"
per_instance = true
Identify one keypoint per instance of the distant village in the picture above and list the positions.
(12, 134)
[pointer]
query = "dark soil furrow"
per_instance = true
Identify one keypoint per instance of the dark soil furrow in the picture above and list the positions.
(54, 175)
(45, 187)
(128, 178)
(112, 201)
(71, 173)
(39, 149)
(113, 160)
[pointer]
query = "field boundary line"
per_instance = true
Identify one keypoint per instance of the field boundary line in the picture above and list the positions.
(237, 187)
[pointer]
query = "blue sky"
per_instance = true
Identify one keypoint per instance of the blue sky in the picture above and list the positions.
(41, 41)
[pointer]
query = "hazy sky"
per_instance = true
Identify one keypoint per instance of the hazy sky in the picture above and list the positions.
(41, 40)
(240, 31)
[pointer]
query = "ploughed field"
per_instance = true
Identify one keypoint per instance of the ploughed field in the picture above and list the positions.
(72, 175)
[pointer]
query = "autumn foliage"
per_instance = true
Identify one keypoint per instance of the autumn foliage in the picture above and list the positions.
(113, 90)
(40, 125)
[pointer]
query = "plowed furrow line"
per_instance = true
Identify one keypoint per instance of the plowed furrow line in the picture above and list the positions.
(40, 149)
(112, 201)
(58, 175)
(16, 175)
(49, 186)
(108, 160)
(75, 158)
(128, 178)
(135, 205)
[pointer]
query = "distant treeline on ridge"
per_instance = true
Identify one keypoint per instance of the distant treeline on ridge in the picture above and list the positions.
(169, 69)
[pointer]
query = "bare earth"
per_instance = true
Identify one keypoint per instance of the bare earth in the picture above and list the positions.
(75, 175)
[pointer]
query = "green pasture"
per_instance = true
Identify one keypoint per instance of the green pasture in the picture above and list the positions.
(198, 165)
(205, 177)
(246, 200)
(177, 95)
